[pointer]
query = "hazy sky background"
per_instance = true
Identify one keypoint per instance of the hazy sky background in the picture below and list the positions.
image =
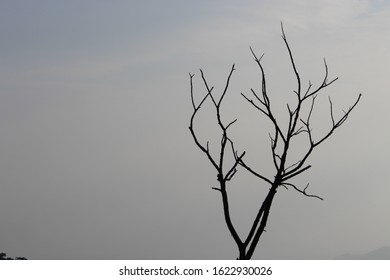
(96, 159)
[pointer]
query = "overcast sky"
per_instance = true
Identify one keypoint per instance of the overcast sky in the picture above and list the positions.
(96, 159)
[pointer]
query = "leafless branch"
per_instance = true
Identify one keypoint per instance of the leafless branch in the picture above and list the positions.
(226, 85)
(222, 177)
(303, 191)
(231, 123)
(208, 88)
(289, 175)
(292, 62)
(191, 127)
(242, 163)
(291, 166)
(323, 85)
(265, 102)
(339, 122)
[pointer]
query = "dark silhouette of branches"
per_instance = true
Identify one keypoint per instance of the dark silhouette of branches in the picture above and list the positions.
(218, 163)
(298, 123)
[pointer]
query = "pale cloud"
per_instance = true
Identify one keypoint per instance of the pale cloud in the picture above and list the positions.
(312, 14)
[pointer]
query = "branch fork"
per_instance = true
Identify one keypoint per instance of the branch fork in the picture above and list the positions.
(281, 141)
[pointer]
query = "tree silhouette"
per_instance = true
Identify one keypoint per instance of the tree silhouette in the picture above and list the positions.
(3, 256)
(286, 167)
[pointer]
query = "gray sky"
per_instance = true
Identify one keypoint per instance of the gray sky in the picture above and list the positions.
(97, 161)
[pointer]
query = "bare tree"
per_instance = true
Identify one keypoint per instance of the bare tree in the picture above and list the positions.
(298, 123)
